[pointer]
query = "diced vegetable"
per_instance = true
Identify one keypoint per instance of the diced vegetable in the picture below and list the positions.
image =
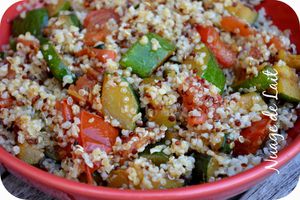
(243, 12)
(212, 73)
(6, 103)
(205, 167)
(96, 133)
(55, 63)
(2, 55)
(290, 59)
(86, 83)
(276, 42)
(147, 54)
(236, 26)
(157, 158)
(119, 101)
(91, 38)
(97, 19)
(247, 101)
(65, 109)
(54, 9)
(70, 20)
(224, 146)
(30, 153)
(172, 135)
(13, 44)
(101, 54)
(118, 178)
(288, 84)
(211, 38)
(254, 137)
(34, 22)
(164, 117)
(262, 81)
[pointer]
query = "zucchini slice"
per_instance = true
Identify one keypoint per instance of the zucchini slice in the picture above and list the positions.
(288, 84)
(120, 101)
(164, 117)
(70, 20)
(156, 158)
(291, 60)
(212, 72)
(262, 81)
(55, 63)
(205, 167)
(247, 101)
(147, 54)
(54, 9)
(243, 12)
(34, 22)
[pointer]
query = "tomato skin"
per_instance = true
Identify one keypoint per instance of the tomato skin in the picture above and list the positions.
(6, 103)
(96, 133)
(188, 100)
(234, 25)
(101, 54)
(93, 37)
(254, 137)
(99, 18)
(65, 109)
(210, 36)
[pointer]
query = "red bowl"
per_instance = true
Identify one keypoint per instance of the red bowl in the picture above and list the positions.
(228, 187)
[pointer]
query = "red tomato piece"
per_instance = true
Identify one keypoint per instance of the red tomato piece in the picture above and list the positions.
(65, 109)
(276, 42)
(96, 133)
(99, 18)
(254, 137)
(210, 36)
(101, 54)
(6, 103)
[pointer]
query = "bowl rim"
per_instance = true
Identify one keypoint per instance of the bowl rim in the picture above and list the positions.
(241, 180)
(201, 190)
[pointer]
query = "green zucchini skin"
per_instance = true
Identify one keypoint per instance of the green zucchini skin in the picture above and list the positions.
(114, 104)
(205, 165)
(225, 147)
(71, 20)
(212, 73)
(54, 61)
(262, 81)
(34, 23)
(143, 59)
(157, 158)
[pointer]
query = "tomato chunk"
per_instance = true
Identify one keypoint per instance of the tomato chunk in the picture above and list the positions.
(101, 54)
(210, 36)
(96, 133)
(235, 25)
(98, 18)
(254, 137)
(6, 103)
(276, 42)
(65, 109)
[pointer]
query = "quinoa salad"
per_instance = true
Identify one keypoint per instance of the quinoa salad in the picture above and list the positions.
(146, 94)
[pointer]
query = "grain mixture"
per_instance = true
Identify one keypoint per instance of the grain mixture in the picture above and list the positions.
(145, 94)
